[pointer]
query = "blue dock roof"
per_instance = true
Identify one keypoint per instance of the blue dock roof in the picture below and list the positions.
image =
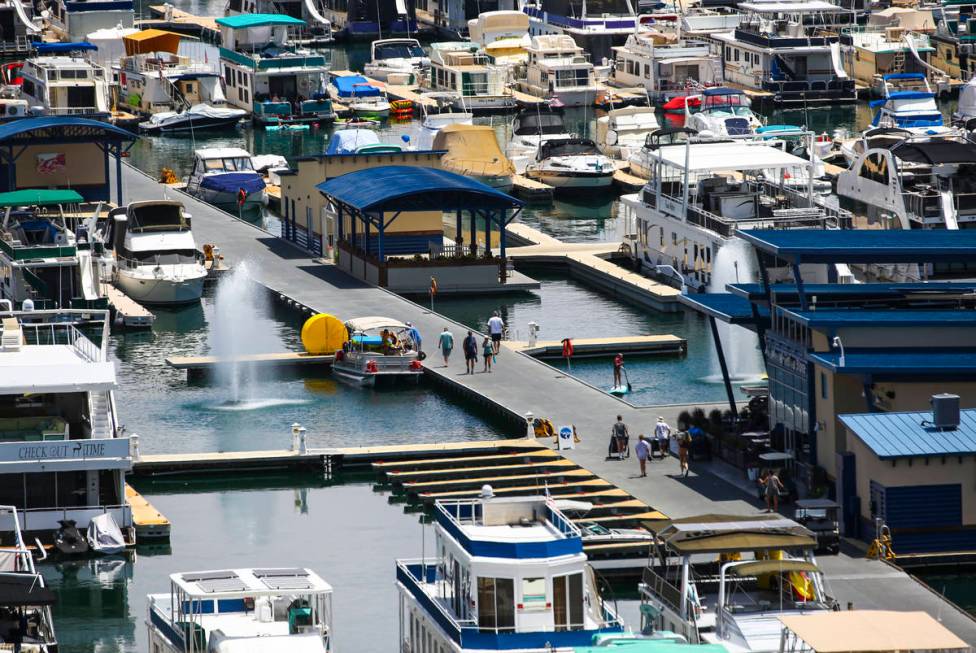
(913, 362)
(848, 290)
(409, 188)
(864, 245)
(245, 21)
(906, 435)
(724, 306)
(855, 317)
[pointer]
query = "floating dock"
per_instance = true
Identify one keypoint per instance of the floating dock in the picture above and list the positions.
(627, 182)
(532, 190)
(127, 311)
(590, 347)
(197, 366)
(150, 524)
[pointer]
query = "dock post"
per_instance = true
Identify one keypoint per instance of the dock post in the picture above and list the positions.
(721, 362)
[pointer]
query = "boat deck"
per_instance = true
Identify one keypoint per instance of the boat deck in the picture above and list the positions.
(590, 347)
(150, 524)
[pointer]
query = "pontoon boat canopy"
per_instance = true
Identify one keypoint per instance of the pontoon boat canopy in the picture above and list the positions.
(726, 156)
(872, 631)
(936, 152)
(723, 533)
(373, 322)
(807, 6)
(39, 197)
(759, 567)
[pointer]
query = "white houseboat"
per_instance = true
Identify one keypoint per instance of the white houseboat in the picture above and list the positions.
(65, 85)
(266, 74)
(479, 85)
(508, 574)
(666, 70)
(317, 30)
(272, 610)
(225, 177)
(597, 28)
(63, 454)
(559, 69)
(156, 259)
(790, 49)
(379, 349)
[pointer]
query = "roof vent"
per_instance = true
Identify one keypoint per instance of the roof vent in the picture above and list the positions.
(945, 411)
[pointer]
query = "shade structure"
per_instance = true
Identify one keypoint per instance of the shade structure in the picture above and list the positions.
(864, 631)
(152, 40)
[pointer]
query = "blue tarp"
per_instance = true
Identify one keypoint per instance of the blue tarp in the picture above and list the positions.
(355, 85)
(721, 90)
(232, 182)
(903, 76)
(64, 48)
(347, 141)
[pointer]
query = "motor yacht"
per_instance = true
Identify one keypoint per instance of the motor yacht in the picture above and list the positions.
(559, 69)
(273, 610)
(156, 258)
(723, 112)
(58, 417)
(477, 83)
(571, 164)
(507, 574)
(642, 162)
(379, 349)
(758, 569)
(472, 151)
(530, 128)
(622, 132)
(197, 118)
(361, 97)
(225, 177)
(397, 61)
(908, 102)
(700, 194)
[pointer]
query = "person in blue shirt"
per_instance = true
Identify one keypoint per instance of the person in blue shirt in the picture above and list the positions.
(446, 343)
(415, 336)
(643, 451)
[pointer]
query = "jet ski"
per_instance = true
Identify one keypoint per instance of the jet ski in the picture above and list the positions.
(68, 540)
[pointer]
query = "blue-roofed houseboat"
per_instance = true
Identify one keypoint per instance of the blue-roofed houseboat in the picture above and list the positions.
(509, 574)
(908, 102)
(266, 74)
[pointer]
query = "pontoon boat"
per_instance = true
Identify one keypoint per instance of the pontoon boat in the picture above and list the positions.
(378, 348)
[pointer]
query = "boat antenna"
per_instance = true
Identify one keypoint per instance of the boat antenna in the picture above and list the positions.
(379, 22)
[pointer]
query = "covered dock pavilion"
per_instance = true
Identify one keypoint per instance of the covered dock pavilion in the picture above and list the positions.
(370, 201)
(61, 151)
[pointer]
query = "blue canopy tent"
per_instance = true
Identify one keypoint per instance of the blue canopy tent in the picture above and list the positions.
(355, 86)
(375, 197)
(17, 136)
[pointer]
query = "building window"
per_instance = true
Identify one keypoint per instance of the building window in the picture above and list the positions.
(736, 54)
(496, 604)
(567, 602)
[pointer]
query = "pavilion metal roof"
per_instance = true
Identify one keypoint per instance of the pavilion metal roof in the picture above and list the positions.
(61, 129)
(914, 362)
(724, 306)
(854, 290)
(902, 435)
(864, 245)
(895, 318)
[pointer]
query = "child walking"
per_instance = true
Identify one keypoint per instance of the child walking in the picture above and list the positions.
(488, 352)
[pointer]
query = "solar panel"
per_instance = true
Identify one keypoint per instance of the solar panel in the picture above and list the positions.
(218, 585)
(209, 575)
(289, 583)
(279, 573)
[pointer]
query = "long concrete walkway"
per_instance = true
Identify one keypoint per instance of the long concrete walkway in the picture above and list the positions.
(521, 384)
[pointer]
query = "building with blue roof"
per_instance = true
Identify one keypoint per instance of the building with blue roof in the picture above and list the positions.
(832, 350)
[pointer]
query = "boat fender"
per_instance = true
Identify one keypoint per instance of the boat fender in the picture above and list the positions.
(340, 355)
(371, 367)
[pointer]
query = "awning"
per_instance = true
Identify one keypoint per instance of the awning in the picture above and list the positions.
(374, 322)
(726, 156)
(872, 631)
(245, 21)
(936, 152)
(151, 40)
(759, 567)
(39, 197)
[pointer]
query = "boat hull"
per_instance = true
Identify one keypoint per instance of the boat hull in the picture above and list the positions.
(571, 181)
(191, 125)
(229, 201)
(146, 289)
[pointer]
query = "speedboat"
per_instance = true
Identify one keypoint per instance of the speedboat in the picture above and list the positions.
(225, 177)
(238, 610)
(156, 258)
(530, 128)
(397, 61)
(378, 348)
(360, 141)
(362, 98)
(199, 117)
(472, 151)
(571, 164)
(724, 112)
(622, 132)
(908, 103)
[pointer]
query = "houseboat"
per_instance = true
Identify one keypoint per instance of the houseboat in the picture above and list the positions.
(609, 23)
(355, 20)
(225, 177)
(26, 600)
(65, 85)
(758, 569)
(230, 610)
(60, 440)
(156, 258)
(699, 194)
(721, 112)
(379, 349)
(266, 74)
(908, 102)
(917, 182)
(397, 61)
(790, 50)
(508, 573)
(666, 69)
(894, 40)
(559, 69)
(954, 39)
(530, 128)
(317, 30)
(622, 132)
(46, 256)
(479, 85)
(503, 36)
(571, 164)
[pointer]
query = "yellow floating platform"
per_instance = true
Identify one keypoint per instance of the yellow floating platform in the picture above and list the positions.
(401, 477)
(150, 524)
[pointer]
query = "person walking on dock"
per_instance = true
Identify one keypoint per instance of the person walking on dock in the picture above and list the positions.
(470, 347)
(662, 433)
(643, 451)
(415, 336)
(488, 351)
(495, 328)
(446, 342)
(618, 366)
(684, 449)
(619, 437)
(773, 488)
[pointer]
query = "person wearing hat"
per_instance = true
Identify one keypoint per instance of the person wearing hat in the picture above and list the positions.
(662, 433)
(415, 336)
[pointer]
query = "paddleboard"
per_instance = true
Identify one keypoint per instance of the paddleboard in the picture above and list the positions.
(619, 390)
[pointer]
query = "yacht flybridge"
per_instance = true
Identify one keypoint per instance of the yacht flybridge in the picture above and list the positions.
(397, 61)
(272, 610)
(908, 102)
(510, 574)
(727, 580)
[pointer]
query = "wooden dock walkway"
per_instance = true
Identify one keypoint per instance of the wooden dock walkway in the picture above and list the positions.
(532, 190)
(521, 384)
(205, 25)
(590, 347)
(132, 314)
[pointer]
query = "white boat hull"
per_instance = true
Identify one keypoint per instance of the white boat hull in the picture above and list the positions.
(577, 98)
(571, 181)
(146, 289)
(225, 199)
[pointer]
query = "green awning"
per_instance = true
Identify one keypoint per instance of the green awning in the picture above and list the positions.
(244, 21)
(759, 567)
(39, 197)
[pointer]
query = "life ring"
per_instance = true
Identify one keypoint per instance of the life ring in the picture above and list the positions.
(241, 197)
(567, 348)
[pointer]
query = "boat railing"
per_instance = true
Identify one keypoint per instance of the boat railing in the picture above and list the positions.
(169, 259)
(414, 573)
(45, 519)
(662, 589)
(922, 204)
(72, 111)
(53, 333)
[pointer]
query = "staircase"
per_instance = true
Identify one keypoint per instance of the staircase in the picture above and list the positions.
(99, 412)
(179, 100)
(897, 62)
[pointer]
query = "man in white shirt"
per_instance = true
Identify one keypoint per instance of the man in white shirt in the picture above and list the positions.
(662, 433)
(495, 327)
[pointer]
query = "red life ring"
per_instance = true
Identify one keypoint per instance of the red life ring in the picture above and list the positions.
(241, 197)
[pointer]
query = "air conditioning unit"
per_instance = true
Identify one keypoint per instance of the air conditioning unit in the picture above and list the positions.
(945, 411)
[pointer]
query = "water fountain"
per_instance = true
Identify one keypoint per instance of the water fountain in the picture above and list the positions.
(735, 263)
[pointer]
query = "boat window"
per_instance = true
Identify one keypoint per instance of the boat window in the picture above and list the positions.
(540, 123)
(397, 51)
(875, 168)
(572, 77)
(496, 604)
(213, 164)
(567, 601)
(534, 594)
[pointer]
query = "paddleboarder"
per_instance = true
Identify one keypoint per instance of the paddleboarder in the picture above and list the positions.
(618, 366)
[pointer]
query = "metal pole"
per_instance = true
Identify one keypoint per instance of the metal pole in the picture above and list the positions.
(721, 362)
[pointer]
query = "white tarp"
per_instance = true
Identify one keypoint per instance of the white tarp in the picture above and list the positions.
(104, 535)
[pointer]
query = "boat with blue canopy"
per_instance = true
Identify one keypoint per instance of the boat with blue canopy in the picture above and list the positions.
(908, 103)
(362, 98)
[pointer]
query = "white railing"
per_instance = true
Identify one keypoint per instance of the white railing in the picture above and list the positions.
(46, 519)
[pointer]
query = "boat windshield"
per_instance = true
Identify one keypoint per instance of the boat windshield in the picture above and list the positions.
(398, 51)
(157, 217)
(539, 123)
(735, 104)
(229, 164)
(567, 148)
